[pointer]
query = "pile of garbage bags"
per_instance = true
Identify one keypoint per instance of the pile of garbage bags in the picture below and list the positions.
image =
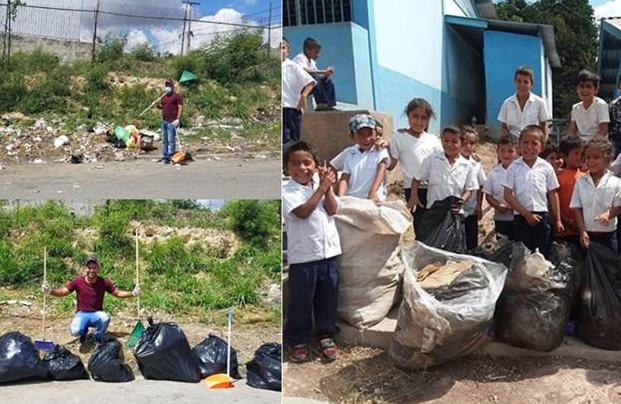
(264, 371)
(130, 137)
(212, 353)
(440, 227)
(19, 359)
(106, 363)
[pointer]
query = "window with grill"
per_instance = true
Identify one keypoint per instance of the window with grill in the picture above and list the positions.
(308, 12)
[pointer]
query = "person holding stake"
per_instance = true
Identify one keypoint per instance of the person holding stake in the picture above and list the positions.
(171, 105)
(90, 289)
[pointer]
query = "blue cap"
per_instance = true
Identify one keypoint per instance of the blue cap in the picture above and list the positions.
(360, 121)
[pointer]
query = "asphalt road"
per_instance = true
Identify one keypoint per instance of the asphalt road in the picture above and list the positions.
(143, 179)
(137, 391)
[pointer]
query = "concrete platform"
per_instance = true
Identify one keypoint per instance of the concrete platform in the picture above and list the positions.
(380, 335)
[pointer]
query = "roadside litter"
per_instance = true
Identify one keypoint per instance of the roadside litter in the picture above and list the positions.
(453, 317)
(211, 354)
(264, 371)
(106, 363)
(19, 359)
(163, 353)
(370, 266)
(61, 364)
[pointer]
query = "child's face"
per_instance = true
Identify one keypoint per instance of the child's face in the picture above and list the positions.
(451, 143)
(284, 51)
(301, 166)
(556, 160)
(468, 144)
(418, 120)
(530, 146)
(586, 90)
(574, 158)
(365, 138)
(523, 84)
(506, 153)
(312, 53)
(596, 161)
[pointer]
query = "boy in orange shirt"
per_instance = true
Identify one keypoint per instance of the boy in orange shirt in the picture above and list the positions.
(570, 149)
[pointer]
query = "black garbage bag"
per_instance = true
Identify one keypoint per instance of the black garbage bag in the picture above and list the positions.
(264, 371)
(19, 359)
(106, 363)
(536, 302)
(211, 354)
(434, 329)
(441, 228)
(599, 310)
(63, 365)
(164, 353)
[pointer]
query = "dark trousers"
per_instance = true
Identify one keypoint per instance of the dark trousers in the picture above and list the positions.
(471, 229)
(608, 239)
(291, 125)
(616, 149)
(324, 90)
(313, 290)
(534, 237)
(419, 212)
(504, 227)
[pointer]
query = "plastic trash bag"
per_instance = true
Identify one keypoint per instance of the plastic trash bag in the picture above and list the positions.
(163, 353)
(264, 371)
(432, 330)
(599, 310)
(370, 267)
(63, 365)
(19, 359)
(441, 228)
(106, 363)
(211, 354)
(536, 302)
(121, 133)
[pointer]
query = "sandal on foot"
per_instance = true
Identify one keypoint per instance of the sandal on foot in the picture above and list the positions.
(328, 348)
(299, 353)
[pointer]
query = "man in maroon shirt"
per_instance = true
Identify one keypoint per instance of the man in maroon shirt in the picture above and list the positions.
(171, 105)
(90, 290)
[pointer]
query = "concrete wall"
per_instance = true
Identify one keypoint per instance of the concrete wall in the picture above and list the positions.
(502, 54)
(346, 47)
(67, 51)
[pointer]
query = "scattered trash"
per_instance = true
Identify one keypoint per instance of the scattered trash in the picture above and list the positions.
(100, 128)
(264, 371)
(19, 359)
(77, 159)
(369, 277)
(38, 161)
(211, 355)
(40, 123)
(106, 363)
(163, 353)
(61, 364)
(61, 141)
(119, 156)
(13, 302)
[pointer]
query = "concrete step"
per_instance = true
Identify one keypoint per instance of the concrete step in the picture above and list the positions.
(380, 335)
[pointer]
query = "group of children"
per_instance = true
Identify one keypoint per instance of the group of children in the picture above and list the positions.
(538, 192)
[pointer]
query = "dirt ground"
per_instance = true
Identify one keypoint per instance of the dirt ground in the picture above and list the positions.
(365, 375)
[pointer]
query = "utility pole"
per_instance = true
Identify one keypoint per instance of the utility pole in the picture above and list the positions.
(187, 50)
(188, 19)
(269, 31)
(94, 33)
(185, 20)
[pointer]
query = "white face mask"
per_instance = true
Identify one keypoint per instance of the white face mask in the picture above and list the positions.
(168, 89)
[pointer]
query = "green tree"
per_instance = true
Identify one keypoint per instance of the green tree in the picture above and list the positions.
(576, 40)
(257, 222)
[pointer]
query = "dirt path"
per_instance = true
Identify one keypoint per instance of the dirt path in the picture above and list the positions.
(143, 179)
(367, 375)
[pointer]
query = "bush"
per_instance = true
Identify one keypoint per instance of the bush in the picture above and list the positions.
(257, 222)
(233, 58)
(111, 50)
(143, 52)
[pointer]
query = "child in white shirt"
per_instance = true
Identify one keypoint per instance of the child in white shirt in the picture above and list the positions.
(590, 116)
(472, 206)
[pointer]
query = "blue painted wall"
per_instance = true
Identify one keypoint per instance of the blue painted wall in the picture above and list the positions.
(346, 47)
(502, 54)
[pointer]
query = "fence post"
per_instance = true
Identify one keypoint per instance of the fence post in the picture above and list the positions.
(269, 31)
(95, 33)
(6, 30)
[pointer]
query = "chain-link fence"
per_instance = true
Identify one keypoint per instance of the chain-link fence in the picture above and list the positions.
(172, 29)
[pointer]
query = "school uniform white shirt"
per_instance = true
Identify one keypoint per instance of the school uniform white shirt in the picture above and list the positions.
(307, 63)
(362, 167)
(531, 185)
(516, 119)
(471, 204)
(338, 162)
(311, 239)
(294, 79)
(412, 151)
(444, 179)
(615, 167)
(588, 119)
(493, 186)
(595, 200)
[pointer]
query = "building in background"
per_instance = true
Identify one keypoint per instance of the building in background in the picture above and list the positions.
(454, 53)
(609, 57)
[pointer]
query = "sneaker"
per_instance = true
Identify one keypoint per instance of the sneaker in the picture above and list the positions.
(299, 353)
(328, 349)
